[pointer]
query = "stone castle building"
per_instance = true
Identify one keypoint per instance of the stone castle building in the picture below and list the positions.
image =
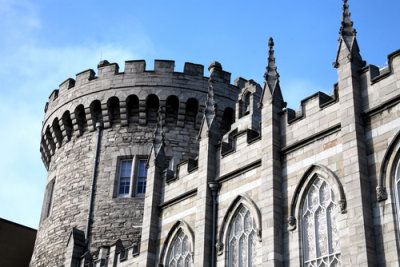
(165, 168)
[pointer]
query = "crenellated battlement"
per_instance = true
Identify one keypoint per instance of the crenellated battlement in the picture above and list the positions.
(132, 97)
(309, 103)
(155, 167)
(106, 70)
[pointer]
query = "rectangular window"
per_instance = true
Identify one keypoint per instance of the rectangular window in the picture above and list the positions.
(48, 200)
(50, 197)
(125, 177)
(132, 176)
(141, 178)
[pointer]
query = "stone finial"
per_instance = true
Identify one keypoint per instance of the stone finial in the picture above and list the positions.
(210, 107)
(271, 77)
(348, 37)
(346, 28)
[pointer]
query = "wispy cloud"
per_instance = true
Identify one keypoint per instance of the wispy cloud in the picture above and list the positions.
(32, 69)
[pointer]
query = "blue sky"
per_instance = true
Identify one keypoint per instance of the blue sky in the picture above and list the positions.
(44, 42)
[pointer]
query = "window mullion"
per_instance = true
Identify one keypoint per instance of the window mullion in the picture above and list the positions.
(132, 188)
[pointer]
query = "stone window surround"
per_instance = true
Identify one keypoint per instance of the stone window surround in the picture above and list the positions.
(179, 226)
(133, 177)
(242, 200)
(48, 200)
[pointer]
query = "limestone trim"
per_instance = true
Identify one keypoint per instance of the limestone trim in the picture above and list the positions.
(313, 172)
(312, 138)
(180, 198)
(237, 203)
(239, 171)
(381, 107)
(388, 168)
(179, 226)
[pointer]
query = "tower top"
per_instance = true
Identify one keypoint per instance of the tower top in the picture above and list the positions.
(271, 76)
(346, 28)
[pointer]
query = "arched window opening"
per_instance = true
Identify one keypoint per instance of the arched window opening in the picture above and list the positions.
(132, 108)
(113, 110)
(80, 116)
(245, 105)
(172, 107)
(50, 139)
(180, 251)
(397, 189)
(227, 119)
(57, 131)
(242, 239)
(45, 148)
(152, 105)
(320, 237)
(67, 122)
(95, 110)
(192, 107)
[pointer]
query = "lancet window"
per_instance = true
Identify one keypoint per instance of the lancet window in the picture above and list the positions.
(242, 240)
(179, 253)
(397, 190)
(320, 233)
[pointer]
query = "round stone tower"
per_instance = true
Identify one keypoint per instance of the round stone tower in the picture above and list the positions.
(97, 134)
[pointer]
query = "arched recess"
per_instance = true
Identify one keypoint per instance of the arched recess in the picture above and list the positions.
(171, 109)
(114, 110)
(234, 208)
(80, 117)
(191, 110)
(179, 227)
(388, 168)
(389, 177)
(95, 110)
(152, 105)
(227, 119)
(305, 182)
(50, 139)
(244, 104)
(57, 131)
(132, 108)
(67, 122)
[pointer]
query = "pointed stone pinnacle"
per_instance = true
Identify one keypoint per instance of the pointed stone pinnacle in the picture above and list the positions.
(271, 76)
(210, 109)
(271, 43)
(346, 28)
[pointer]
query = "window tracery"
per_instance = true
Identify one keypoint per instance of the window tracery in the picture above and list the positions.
(397, 189)
(319, 211)
(242, 240)
(179, 254)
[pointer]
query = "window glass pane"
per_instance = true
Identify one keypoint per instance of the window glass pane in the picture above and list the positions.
(241, 240)
(320, 234)
(141, 178)
(179, 253)
(124, 184)
(142, 168)
(126, 168)
(125, 177)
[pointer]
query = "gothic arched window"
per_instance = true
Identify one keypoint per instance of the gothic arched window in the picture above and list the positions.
(179, 253)
(242, 239)
(397, 189)
(319, 228)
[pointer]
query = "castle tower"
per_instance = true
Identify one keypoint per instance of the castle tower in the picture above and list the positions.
(101, 191)
(164, 168)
